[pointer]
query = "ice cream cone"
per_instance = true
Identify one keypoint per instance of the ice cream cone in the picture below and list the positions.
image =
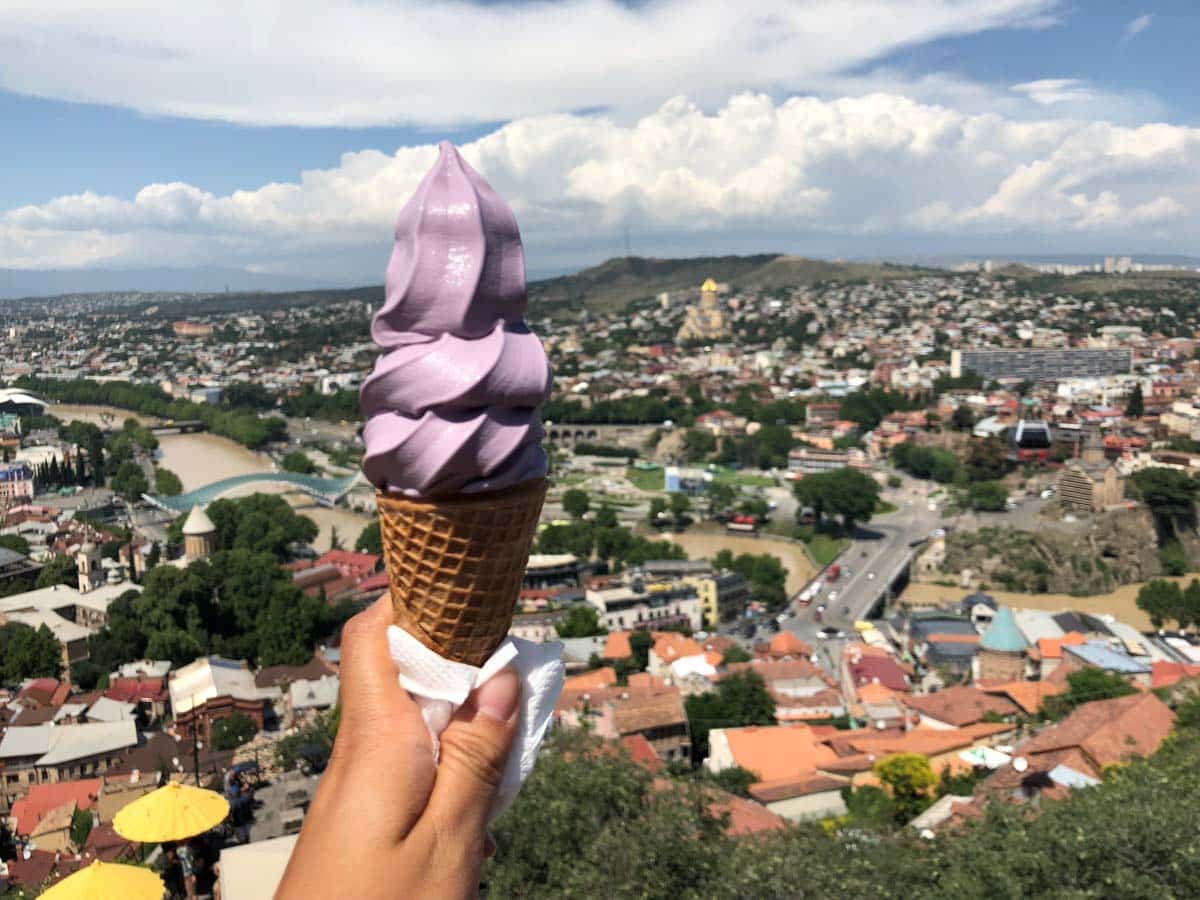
(455, 565)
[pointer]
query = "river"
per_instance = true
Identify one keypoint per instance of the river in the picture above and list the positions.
(102, 416)
(800, 569)
(200, 459)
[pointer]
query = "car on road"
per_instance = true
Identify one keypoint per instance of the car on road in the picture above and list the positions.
(830, 633)
(938, 533)
(863, 554)
(748, 631)
(781, 618)
(773, 627)
(870, 576)
(833, 596)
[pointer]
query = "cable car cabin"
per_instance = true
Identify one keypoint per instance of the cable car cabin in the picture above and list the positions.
(1030, 442)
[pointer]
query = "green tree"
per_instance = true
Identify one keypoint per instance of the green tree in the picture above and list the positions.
(1160, 600)
(737, 654)
(575, 503)
(1135, 407)
(911, 782)
(990, 496)
(298, 461)
(370, 539)
(698, 444)
(1173, 558)
(260, 523)
(963, 419)
(60, 570)
(720, 496)
(335, 539)
(167, 483)
(680, 504)
(606, 517)
(870, 807)
(658, 506)
(310, 747)
(1084, 686)
(740, 699)
(232, 731)
(1170, 494)
(15, 543)
(581, 621)
(736, 780)
(81, 827)
(848, 493)
(1189, 607)
(130, 481)
(28, 653)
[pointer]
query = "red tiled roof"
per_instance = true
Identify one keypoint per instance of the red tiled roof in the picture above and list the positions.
(777, 751)
(644, 681)
(1165, 674)
(1109, 731)
(363, 563)
(105, 844)
(589, 681)
(642, 752)
(960, 705)
(787, 788)
(42, 798)
(746, 816)
(33, 872)
(671, 646)
(787, 644)
(616, 646)
(134, 690)
(374, 583)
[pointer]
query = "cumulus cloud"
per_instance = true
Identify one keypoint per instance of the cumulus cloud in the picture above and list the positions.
(363, 62)
(862, 168)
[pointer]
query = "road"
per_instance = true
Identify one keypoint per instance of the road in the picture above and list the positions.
(878, 548)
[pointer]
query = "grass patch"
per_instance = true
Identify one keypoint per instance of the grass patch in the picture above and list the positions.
(825, 549)
(743, 479)
(882, 507)
(647, 479)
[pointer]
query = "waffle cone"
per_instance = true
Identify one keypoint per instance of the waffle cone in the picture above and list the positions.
(455, 565)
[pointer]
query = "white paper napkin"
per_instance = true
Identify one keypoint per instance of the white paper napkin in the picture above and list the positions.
(440, 686)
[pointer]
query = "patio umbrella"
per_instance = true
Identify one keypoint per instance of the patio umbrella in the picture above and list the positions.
(174, 812)
(108, 881)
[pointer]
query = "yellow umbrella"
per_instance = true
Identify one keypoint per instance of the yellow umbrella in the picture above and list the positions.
(108, 881)
(174, 812)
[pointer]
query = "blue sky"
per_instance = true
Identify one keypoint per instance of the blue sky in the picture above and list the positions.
(230, 134)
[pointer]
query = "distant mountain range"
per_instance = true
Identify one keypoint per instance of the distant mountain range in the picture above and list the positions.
(15, 283)
(607, 286)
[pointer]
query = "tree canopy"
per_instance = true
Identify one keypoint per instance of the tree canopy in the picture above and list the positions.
(848, 493)
(740, 699)
(239, 604)
(259, 523)
(370, 539)
(575, 502)
(590, 824)
(28, 653)
(581, 621)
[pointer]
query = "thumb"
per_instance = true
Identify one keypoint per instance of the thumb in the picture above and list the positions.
(474, 752)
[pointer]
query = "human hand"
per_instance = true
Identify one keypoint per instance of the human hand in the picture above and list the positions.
(385, 822)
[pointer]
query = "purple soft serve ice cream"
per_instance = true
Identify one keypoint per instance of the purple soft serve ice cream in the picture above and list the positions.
(452, 404)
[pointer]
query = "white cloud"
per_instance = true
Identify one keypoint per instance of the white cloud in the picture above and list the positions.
(1048, 91)
(1135, 27)
(368, 62)
(866, 168)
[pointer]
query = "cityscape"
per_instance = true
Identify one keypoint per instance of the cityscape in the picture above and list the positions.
(793, 532)
(821, 385)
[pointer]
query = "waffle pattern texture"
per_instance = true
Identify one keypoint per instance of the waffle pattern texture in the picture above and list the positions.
(455, 565)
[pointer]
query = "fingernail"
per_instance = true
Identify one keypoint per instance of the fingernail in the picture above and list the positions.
(497, 698)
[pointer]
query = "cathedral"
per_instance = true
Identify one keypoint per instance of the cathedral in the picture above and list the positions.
(705, 322)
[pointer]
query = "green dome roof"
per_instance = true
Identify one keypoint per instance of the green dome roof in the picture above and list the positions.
(1002, 635)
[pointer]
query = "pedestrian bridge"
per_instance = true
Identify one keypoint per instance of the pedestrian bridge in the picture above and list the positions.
(326, 491)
